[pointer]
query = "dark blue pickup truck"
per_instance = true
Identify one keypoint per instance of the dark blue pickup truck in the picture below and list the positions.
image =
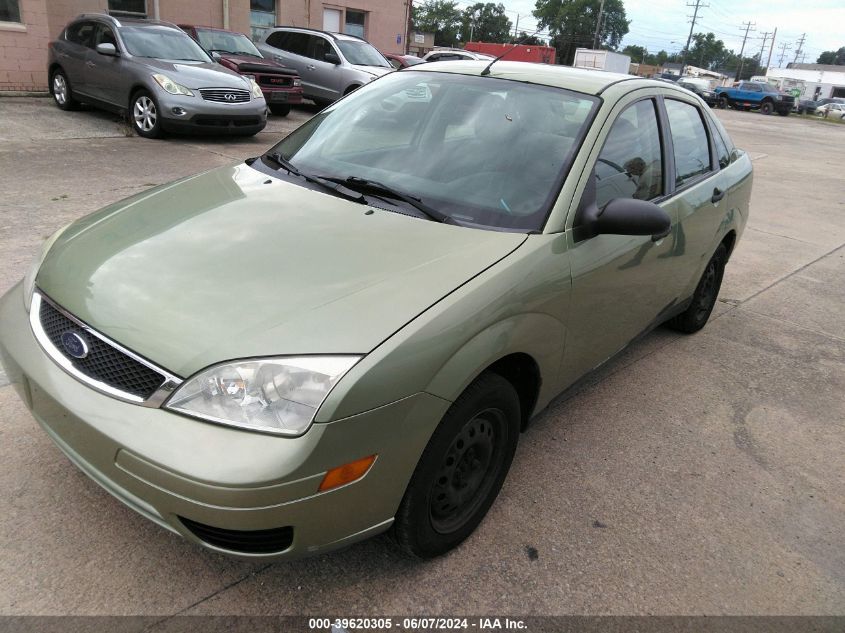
(753, 95)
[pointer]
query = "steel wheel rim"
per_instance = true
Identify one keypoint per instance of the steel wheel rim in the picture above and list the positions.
(145, 114)
(708, 288)
(60, 89)
(467, 472)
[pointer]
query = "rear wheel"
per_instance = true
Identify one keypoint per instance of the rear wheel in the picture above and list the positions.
(280, 109)
(767, 108)
(62, 93)
(145, 115)
(461, 469)
(695, 316)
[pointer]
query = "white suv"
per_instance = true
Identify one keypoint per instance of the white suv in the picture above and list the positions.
(454, 54)
(330, 64)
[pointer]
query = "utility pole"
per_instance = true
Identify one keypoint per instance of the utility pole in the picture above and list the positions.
(771, 48)
(749, 26)
(516, 29)
(697, 5)
(598, 25)
(783, 48)
(763, 47)
(800, 45)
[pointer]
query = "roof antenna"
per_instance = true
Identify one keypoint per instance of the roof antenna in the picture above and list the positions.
(486, 71)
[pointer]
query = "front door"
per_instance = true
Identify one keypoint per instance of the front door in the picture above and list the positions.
(104, 74)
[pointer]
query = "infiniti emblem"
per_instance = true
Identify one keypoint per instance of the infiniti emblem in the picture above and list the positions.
(75, 345)
(230, 96)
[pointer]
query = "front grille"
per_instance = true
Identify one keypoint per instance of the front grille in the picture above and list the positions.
(270, 541)
(103, 362)
(274, 80)
(225, 95)
(226, 121)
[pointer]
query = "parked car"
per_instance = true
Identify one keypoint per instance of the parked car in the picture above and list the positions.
(155, 72)
(810, 105)
(331, 64)
(754, 95)
(402, 61)
(454, 54)
(831, 111)
(348, 333)
(280, 85)
(704, 92)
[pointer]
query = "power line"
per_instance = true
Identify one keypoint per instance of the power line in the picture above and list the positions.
(689, 37)
(800, 44)
(783, 48)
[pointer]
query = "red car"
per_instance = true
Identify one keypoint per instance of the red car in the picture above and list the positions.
(402, 61)
(281, 85)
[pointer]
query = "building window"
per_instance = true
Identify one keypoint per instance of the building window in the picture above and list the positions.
(354, 23)
(10, 11)
(262, 17)
(129, 8)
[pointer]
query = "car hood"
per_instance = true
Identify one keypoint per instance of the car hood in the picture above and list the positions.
(233, 264)
(375, 71)
(245, 63)
(197, 74)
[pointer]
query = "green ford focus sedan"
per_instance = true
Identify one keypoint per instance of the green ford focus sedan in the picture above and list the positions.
(349, 333)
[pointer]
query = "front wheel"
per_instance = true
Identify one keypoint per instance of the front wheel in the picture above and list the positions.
(767, 108)
(280, 109)
(145, 116)
(724, 103)
(695, 316)
(461, 469)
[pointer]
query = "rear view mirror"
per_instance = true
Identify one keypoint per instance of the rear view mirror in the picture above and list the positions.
(107, 49)
(332, 58)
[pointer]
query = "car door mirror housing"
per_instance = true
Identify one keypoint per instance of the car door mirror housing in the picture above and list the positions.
(627, 216)
(332, 58)
(107, 49)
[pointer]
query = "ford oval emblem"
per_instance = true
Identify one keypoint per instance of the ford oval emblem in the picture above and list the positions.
(75, 345)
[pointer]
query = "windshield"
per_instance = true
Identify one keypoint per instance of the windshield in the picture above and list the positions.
(162, 43)
(223, 42)
(483, 151)
(413, 61)
(361, 53)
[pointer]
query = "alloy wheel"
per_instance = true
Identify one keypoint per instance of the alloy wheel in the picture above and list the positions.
(145, 113)
(60, 89)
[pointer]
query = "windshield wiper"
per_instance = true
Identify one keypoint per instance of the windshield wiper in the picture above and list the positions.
(376, 187)
(289, 167)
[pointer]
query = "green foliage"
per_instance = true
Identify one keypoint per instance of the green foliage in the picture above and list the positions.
(572, 23)
(527, 40)
(441, 17)
(485, 22)
(832, 57)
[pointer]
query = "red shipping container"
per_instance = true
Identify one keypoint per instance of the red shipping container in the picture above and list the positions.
(521, 53)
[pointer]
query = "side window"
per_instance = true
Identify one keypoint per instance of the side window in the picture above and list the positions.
(689, 138)
(630, 164)
(81, 33)
(318, 47)
(104, 35)
(277, 40)
(722, 152)
(395, 63)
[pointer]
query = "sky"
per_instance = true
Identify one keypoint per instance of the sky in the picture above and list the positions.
(665, 24)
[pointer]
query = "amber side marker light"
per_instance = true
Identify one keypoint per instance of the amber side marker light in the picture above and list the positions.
(347, 473)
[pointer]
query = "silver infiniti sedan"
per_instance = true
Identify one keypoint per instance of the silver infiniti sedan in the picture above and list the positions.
(156, 73)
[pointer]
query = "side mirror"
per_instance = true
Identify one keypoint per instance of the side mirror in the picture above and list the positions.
(107, 49)
(332, 58)
(627, 216)
(215, 56)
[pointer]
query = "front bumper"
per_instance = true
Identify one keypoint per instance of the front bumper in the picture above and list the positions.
(166, 466)
(196, 115)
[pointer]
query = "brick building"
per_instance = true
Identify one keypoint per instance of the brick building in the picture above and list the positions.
(26, 26)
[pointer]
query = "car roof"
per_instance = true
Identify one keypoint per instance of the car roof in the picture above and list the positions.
(201, 27)
(118, 22)
(579, 79)
(332, 34)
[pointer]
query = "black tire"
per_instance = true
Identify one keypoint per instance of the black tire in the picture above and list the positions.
(145, 115)
(322, 103)
(767, 107)
(461, 469)
(724, 102)
(61, 90)
(350, 89)
(280, 109)
(783, 112)
(704, 298)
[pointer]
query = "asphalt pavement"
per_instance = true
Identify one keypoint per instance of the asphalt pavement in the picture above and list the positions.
(698, 474)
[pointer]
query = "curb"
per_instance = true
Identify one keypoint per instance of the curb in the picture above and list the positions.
(23, 93)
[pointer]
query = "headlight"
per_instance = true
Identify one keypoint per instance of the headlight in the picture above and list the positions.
(297, 82)
(171, 86)
(29, 279)
(256, 89)
(272, 395)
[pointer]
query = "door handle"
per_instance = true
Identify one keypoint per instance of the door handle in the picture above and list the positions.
(718, 194)
(91, 64)
(310, 66)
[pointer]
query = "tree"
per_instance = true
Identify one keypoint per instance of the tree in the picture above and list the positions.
(485, 22)
(832, 57)
(572, 23)
(636, 53)
(527, 40)
(440, 17)
(707, 51)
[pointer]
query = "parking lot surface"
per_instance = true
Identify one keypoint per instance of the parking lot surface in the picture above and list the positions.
(698, 474)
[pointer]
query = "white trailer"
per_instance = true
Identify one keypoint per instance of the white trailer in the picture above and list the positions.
(601, 60)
